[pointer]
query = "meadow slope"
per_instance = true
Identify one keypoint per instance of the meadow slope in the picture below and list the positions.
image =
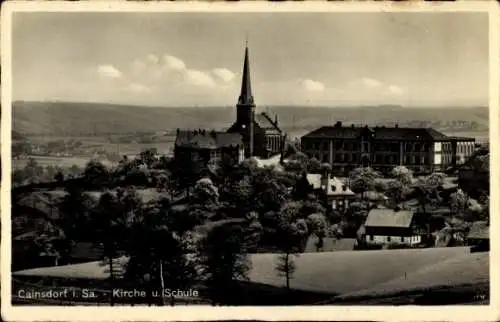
(352, 273)
(75, 119)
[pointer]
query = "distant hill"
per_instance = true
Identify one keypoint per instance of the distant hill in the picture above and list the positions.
(73, 119)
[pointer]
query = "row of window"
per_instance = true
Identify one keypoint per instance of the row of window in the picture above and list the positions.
(378, 158)
(365, 146)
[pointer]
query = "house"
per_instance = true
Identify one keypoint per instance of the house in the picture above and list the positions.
(337, 193)
(479, 236)
(392, 226)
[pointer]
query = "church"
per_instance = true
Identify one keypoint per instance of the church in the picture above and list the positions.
(251, 135)
(261, 134)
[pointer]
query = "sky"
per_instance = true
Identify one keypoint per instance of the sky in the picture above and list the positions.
(196, 59)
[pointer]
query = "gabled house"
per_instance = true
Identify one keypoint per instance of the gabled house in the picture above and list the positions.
(385, 226)
(337, 193)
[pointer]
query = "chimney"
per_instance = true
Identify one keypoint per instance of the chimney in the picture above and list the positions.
(396, 126)
(338, 124)
(276, 119)
(352, 125)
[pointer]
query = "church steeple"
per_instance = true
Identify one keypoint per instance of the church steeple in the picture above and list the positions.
(246, 97)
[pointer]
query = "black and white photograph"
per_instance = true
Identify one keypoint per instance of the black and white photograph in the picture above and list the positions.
(249, 158)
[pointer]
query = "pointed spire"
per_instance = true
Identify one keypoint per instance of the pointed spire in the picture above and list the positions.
(246, 97)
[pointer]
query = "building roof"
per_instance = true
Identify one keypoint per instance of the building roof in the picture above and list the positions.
(265, 122)
(378, 132)
(203, 139)
(462, 139)
(479, 230)
(334, 186)
(384, 217)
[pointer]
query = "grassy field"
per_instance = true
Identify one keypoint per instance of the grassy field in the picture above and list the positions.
(468, 268)
(348, 274)
(349, 271)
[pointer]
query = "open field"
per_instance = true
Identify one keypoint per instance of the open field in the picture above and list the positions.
(64, 162)
(352, 273)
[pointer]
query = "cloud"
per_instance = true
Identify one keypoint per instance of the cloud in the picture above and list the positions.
(396, 90)
(312, 85)
(138, 88)
(153, 59)
(199, 78)
(366, 83)
(109, 71)
(173, 63)
(224, 74)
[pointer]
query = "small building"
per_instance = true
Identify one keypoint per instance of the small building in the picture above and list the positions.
(391, 226)
(337, 193)
(479, 236)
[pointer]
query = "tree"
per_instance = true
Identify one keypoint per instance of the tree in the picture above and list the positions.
(459, 201)
(185, 173)
(238, 195)
(317, 225)
(297, 163)
(148, 157)
(427, 190)
(33, 171)
(223, 262)
(403, 175)
(291, 232)
(253, 231)
(205, 193)
(269, 191)
(74, 219)
(59, 176)
(313, 166)
(302, 188)
(96, 174)
(362, 180)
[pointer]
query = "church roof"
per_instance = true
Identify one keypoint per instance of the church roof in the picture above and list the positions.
(265, 122)
(203, 139)
(246, 97)
(379, 133)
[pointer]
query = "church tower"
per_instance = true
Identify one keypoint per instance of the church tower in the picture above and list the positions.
(245, 109)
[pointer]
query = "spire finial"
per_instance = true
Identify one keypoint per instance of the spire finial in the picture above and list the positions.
(246, 39)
